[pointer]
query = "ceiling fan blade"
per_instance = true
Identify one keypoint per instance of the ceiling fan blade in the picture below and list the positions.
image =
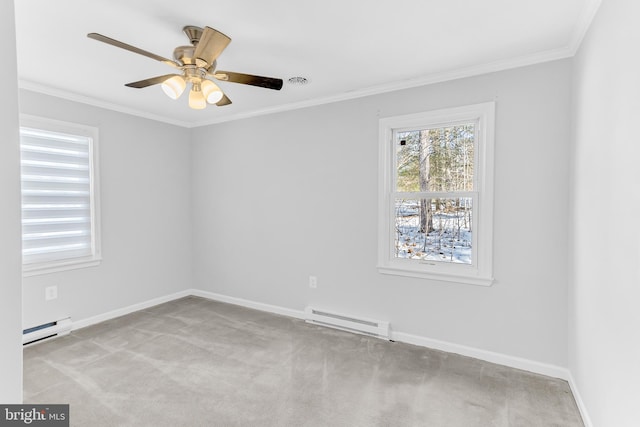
(113, 42)
(224, 101)
(249, 79)
(211, 44)
(150, 81)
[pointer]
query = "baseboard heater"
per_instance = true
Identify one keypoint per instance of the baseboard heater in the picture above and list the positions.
(46, 330)
(374, 328)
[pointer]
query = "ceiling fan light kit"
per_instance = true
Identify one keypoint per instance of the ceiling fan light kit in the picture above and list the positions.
(211, 91)
(197, 65)
(197, 100)
(174, 86)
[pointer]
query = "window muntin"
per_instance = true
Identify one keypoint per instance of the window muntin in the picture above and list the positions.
(436, 194)
(59, 196)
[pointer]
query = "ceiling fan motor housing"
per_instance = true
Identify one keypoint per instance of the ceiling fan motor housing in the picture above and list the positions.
(184, 54)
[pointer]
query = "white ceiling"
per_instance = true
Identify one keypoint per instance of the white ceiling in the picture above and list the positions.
(346, 48)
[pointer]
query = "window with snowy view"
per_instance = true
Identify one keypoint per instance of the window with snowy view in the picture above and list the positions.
(438, 177)
(433, 206)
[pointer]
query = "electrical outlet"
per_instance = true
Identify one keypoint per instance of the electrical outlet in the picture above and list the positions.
(50, 292)
(313, 282)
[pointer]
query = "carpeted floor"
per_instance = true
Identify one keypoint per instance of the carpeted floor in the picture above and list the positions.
(195, 362)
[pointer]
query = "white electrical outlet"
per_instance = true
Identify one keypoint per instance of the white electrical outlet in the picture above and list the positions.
(51, 292)
(313, 282)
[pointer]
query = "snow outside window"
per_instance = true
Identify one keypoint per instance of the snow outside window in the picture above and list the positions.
(436, 194)
(60, 227)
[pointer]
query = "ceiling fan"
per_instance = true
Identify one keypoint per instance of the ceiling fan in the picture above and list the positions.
(196, 65)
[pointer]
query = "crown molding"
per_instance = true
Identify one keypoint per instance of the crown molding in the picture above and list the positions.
(521, 61)
(582, 25)
(95, 102)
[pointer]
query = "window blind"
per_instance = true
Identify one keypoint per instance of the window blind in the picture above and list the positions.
(57, 220)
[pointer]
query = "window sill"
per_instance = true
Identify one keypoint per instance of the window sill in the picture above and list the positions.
(55, 267)
(444, 277)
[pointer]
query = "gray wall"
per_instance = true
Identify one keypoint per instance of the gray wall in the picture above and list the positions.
(10, 257)
(281, 197)
(604, 316)
(145, 198)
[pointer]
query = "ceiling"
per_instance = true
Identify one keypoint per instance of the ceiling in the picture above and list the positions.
(345, 49)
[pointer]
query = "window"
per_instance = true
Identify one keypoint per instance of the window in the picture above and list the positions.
(60, 223)
(436, 194)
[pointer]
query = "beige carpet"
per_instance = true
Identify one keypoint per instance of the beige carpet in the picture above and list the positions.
(195, 362)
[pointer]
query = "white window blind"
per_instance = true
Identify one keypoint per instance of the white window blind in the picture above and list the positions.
(58, 206)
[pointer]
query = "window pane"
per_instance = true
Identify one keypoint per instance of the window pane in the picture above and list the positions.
(438, 159)
(434, 229)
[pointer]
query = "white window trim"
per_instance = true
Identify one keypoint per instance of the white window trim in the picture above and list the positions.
(480, 272)
(80, 262)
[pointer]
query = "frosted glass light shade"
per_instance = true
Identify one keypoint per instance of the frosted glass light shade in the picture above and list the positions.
(211, 91)
(197, 100)
(174, 86)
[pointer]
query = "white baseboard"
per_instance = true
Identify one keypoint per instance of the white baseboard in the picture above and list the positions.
(83, 323)
(498, 358)
(581, 406)
(489, 356)
(298, 314)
